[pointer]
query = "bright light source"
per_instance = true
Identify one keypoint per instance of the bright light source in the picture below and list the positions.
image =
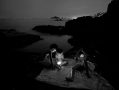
(74, 17)
(59, 62)
(82, 55)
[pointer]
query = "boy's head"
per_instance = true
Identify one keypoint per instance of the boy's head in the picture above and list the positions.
(59, 50)
(53, 46)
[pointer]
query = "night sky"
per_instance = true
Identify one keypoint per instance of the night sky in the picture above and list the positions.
(49, 8)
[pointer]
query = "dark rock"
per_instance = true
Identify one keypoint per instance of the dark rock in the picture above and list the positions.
(11, 39)
(49, 29)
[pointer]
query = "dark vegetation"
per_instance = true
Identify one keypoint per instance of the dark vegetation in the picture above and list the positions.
(92, 34)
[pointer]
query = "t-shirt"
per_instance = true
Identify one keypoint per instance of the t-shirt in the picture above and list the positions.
(59, 56)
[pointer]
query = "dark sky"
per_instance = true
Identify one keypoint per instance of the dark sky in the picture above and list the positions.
(49, 8)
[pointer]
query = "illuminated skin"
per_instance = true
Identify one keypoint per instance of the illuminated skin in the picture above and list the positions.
(59, 60)
(59, 57)
(81, 59)
(82, 55)
(53, 50)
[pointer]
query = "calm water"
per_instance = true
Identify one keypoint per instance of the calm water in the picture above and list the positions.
(43, 45)
(26, 25)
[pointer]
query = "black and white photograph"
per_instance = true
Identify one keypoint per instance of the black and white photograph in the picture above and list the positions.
(59, 44)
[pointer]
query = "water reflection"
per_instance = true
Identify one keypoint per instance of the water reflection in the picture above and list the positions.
(43, 45)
